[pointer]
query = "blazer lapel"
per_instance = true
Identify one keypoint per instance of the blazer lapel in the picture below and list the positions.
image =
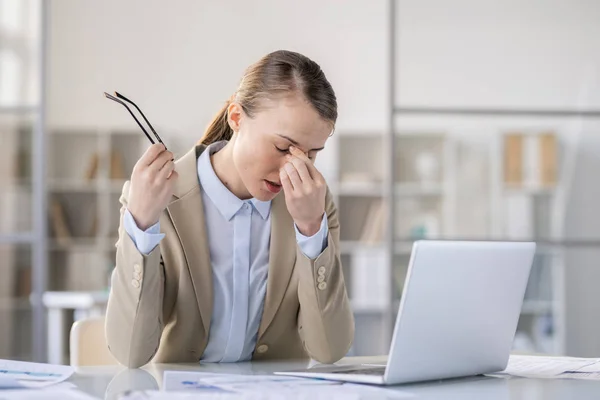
(187, 213)
(282, 257)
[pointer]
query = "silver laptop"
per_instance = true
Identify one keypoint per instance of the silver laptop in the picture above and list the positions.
(457, 317)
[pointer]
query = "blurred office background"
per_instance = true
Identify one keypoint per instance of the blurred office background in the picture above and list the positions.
(462, 119)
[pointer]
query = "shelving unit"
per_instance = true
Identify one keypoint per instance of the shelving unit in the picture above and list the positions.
(456, 176)
(83, 194)
(360, 196)
(22, 244)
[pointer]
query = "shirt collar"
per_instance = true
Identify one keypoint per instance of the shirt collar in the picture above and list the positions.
(226, 202)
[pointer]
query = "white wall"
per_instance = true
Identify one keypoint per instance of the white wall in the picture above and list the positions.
(182, 60)
(497, 52)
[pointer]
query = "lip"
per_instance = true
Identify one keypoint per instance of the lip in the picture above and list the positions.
(272, 186)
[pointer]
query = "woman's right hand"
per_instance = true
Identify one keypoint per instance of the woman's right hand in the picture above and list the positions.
(151, 187)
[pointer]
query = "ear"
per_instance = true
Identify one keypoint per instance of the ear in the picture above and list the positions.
(234, 116)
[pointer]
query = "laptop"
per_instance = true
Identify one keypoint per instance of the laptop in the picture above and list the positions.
(457, 316)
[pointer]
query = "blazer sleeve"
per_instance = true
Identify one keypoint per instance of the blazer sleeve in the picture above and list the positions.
(134, 320)
(325, 319)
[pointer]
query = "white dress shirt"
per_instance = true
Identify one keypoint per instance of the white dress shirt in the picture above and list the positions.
(239, 233)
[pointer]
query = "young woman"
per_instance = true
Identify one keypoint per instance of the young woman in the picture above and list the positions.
(214, 264)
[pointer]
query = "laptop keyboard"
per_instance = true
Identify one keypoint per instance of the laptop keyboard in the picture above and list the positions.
(362, 371)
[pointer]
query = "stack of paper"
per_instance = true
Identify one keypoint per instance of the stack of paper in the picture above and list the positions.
(23, 380)
(553, 367)
(20, 374)
(186, 385)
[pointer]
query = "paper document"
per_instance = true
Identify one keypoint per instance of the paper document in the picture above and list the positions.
(47, 394)
(184, 380)
(325, 392)
(198, 385)
(15, 374)
(552, 367)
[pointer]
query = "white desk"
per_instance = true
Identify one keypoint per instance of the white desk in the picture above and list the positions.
(82, 304)
(108, 382)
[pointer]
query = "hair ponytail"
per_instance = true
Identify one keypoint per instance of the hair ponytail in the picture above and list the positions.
(219, 128)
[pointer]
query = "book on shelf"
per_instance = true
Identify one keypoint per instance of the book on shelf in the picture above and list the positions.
(59, 224)
(372, 232)
(92, 170)
(549, 157)
(117, 170)
(530, 159)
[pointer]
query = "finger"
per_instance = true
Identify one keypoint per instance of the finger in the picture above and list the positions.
(166, 170)
(300, 165)
(285, 181)
(151, 153)
(309, 163)
(162, 160)
(172, 176)
(293, 174)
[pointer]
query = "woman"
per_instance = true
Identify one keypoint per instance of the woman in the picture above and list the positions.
(212, 264)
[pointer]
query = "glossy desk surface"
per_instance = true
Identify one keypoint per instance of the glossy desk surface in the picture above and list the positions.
(107, 382)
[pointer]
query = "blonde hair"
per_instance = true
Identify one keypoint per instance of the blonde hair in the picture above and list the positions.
(275, 75)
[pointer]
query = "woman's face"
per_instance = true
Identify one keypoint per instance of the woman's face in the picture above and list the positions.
(262, 142)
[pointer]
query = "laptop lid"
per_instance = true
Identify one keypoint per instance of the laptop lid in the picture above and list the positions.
(459, 309)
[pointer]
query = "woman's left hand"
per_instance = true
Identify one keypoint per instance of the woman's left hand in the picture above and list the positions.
(304, 188)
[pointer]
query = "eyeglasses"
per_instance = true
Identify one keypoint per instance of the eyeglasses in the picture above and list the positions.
(119, 99)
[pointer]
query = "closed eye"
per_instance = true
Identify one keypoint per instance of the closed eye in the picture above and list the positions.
(287, 151)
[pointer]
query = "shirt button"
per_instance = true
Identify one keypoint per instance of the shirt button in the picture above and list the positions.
(322, 285)
(135, 283)
(321, 271)
(263, 348)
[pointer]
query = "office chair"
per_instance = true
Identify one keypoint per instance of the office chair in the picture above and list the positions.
(87, 343)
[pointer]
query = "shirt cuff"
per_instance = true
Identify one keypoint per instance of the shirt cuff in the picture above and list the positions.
(314, 245)
(145, 241)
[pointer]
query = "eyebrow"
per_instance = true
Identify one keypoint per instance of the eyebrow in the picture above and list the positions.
(296, 143)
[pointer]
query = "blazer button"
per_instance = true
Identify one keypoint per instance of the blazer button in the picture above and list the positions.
(137, 268)
(321, 278)
(135, 283)
(137, 275)
(321, 271)
(263, 348)
(322, 285)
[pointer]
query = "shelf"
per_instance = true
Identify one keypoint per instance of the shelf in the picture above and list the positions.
(403, 248)
(419, 189)
(537, 307)
(18, 109)
(496, 112)
(374, 189)
(72, 185)
(358, 308)
(116, 186)
(350, 246)
(16, 304)
(534, 190)
(16, 238)
(77, 244)
(367, 189)
(21, 183)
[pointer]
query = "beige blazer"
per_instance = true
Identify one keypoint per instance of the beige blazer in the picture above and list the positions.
(160, 304)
